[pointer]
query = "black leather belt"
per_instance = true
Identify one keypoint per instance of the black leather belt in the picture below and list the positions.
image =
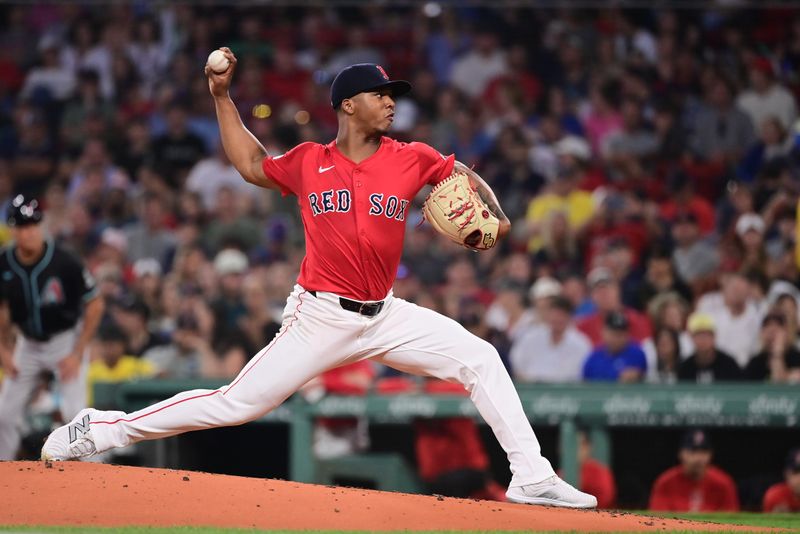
(370, 309)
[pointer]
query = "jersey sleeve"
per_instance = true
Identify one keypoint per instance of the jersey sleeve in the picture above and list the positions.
(286, 169)
(433, 165)
(773, 500)
(78, 276)
(730, 497)
(659, 496)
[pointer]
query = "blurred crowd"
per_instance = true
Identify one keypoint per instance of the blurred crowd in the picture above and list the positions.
(648, 159)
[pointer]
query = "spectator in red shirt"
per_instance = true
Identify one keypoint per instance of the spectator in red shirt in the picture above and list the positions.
(684, 199)
(785, 496)
(605, 294)
(695, 485)
(285, 81)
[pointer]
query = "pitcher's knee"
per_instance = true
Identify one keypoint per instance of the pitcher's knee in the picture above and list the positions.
(480, 362)
(245, 409)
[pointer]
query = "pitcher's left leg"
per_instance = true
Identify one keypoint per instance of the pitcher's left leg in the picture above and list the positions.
(420, 341)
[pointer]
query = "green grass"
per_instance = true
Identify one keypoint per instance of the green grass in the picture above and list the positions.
(788, 521)
(791, 521)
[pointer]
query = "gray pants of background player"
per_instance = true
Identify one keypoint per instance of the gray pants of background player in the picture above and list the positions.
(32, 357)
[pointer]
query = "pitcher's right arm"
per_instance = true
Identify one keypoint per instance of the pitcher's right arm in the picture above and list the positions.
(244, 151)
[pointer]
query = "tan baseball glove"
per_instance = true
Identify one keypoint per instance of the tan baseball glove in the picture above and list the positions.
(455, 209)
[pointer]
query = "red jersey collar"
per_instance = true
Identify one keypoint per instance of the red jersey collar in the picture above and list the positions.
(335, 150)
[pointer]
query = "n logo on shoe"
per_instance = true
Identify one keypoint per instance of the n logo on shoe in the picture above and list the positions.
(82, 427)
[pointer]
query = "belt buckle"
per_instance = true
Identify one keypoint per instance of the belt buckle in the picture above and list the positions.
(361, 308)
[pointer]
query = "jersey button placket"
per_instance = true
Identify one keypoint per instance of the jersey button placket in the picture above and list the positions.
(358, 194)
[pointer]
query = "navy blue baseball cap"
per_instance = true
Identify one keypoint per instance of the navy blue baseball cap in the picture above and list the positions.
(696, 440)
(363, 77)
(24, 211)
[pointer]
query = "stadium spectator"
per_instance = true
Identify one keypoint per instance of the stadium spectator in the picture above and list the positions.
(541, 293)
(766, 97)
(229, 226)
(112, 363)
(562, 193)
(33, 161)
(211, 174)
(708, 363)
(257, 323)
(669, 310)
(228, 307)
(131, 315)
(785, 496)
(553, 350)
(51, 79)
(779, 360)
(574, 288)
(188, 355)
(660, 278)
(663, 356)
(695, 259)
(695, 485)
(603, 119)
(635, 142)
(618, 359)
(175, 152)
(773, 146)
(473, 71)
(682, 199)
(785, 303)
(748, 253)
(736, 316)
(508, 313)
(149, 237)
(721, 132)
(605, 294)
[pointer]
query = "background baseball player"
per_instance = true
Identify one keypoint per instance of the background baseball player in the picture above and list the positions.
(353, 195)
(44, 292)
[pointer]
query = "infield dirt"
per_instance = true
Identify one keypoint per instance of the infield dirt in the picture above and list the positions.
(74, 493)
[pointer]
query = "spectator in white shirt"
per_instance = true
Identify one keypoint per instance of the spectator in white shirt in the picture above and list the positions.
(50, 75)
(766, 97)
(509, 312)
(553, 351)
(473, 71)
(211, 174)
(736, 316)
(540, 293)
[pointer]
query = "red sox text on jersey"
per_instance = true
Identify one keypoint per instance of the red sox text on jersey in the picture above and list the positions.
(354, 214)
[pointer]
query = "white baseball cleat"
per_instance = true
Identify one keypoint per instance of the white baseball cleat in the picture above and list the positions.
(72, 441)
(552, 492)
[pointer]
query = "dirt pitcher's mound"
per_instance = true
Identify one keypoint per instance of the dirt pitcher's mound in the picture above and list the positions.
(72, 493)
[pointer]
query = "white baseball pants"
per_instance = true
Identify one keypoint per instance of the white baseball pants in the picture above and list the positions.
(31, 358)
(317, 335)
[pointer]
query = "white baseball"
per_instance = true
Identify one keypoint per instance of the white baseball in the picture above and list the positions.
(217, 61)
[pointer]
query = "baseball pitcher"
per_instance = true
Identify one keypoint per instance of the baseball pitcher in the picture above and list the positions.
(354, 195)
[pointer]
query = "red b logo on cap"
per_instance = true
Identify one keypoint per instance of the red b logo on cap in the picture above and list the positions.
(383, 72)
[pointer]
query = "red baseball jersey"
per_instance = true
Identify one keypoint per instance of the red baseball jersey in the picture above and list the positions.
(354, 215)
(781, 498)
(673, 491)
